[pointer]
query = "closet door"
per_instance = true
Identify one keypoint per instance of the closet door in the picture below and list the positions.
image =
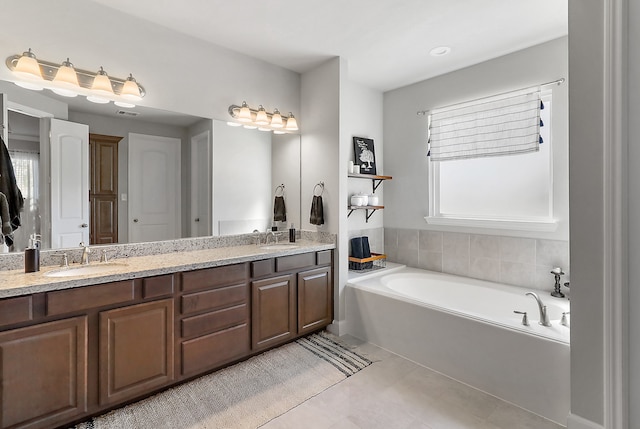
(103, 193)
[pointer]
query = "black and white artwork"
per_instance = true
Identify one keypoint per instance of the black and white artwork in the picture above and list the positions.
(365, 155)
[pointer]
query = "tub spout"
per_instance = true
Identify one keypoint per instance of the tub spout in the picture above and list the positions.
(544, 317)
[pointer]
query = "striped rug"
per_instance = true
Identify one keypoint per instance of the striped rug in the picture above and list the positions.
(246, 395)
(328, 347)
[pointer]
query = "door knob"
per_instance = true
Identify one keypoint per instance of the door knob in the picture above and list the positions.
(135, 220)
(84, 225)
(197, 219)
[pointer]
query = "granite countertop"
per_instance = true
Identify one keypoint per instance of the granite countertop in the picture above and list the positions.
(17, 282)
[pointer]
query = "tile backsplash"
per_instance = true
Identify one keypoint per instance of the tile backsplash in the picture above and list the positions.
(524, 262)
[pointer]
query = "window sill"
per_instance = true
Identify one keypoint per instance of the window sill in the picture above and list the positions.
(518, 225)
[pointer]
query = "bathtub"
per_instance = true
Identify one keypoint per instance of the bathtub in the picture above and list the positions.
(466, 329)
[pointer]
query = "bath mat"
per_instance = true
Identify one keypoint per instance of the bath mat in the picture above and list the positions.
(246, 395)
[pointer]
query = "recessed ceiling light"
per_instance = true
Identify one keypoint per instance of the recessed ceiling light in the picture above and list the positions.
(439, 51)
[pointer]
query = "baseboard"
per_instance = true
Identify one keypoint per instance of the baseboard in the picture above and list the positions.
(577, 422)
(338, 327)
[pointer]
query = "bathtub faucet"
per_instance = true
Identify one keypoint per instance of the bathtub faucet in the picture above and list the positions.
(544, 317)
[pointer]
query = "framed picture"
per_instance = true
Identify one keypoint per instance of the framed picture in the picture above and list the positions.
(365, 155)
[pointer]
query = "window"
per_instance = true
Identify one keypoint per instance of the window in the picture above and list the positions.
(502, 192)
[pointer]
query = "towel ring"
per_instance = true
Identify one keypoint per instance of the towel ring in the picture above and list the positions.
(315, 189)
(280, 189)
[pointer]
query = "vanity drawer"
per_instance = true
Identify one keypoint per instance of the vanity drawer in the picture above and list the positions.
(212, 277)
(262, 268)
(153, 287)
(16, 310)
(323, 257)
(293, 262)
(215, 349)
(214, 299)
(215, 320)
(83, 298)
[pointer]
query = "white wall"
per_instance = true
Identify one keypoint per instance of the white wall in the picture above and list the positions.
(321, 154)
(180, 73)
(406, 200)
(241, 162)
(634, 209)
(586, 60)
(285, 169)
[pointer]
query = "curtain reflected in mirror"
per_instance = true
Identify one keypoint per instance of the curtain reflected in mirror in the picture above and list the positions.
(26, 166)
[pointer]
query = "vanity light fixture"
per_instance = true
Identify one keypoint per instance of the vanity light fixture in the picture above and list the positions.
(66, 80)
(261, 119)
(27, 68)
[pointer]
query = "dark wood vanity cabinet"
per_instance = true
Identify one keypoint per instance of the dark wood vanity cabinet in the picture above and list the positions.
(68, 354)
(136, 350)
(44, 373)
(315, 299)
(273, 315)
(295, 299)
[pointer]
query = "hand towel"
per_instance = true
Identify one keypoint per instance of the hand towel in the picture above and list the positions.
(279, 210)
(317, 211)
(5, 218)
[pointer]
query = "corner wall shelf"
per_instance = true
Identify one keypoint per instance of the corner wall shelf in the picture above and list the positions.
(377, 180)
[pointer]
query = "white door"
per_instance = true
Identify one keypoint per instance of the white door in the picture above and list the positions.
(201, 196)
(69, 184)
(154, 188)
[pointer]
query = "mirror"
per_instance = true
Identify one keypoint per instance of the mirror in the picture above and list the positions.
(229, 175)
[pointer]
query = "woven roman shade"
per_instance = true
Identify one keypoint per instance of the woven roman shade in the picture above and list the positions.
(495, 126)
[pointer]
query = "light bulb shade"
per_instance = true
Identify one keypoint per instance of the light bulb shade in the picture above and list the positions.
(292, 124)
(97, 99)
(102, 84)
(261, 117)
(124, 104)
(131, 90)
(245, 114)
(66, 76)
(276, 119)
(28, 67)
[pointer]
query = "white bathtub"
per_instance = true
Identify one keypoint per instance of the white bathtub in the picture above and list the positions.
(466, 329)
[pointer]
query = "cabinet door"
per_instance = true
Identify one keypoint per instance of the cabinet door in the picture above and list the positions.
(314, 299)
(136, 350)
(43, 369)
(273, 313)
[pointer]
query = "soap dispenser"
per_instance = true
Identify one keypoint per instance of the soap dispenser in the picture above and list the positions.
(292, 234)
(32, 255)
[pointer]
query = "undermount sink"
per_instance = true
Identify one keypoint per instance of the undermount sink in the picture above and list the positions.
(84, 270)
(279, 246)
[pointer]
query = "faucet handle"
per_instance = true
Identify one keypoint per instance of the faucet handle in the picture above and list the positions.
(65, 260)
(525, 319)
(104, 257)
(564, 321)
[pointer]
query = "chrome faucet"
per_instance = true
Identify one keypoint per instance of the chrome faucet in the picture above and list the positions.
(85, 253)
(270, 233)
(544, 317)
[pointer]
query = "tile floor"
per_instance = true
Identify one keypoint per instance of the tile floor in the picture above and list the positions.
(394, 392)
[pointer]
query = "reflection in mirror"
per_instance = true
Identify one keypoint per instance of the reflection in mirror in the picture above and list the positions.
(229, 175)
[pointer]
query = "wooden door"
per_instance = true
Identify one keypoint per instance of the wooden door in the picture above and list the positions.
(44, 374)
(69, 184)
(155, 202)
(273, 312)
(103, 193)
(314, 299)
(136, 350)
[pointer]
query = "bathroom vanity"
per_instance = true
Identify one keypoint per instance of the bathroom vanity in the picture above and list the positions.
(71, 348)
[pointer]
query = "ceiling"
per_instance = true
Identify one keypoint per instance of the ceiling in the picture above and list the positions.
(386, 42)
